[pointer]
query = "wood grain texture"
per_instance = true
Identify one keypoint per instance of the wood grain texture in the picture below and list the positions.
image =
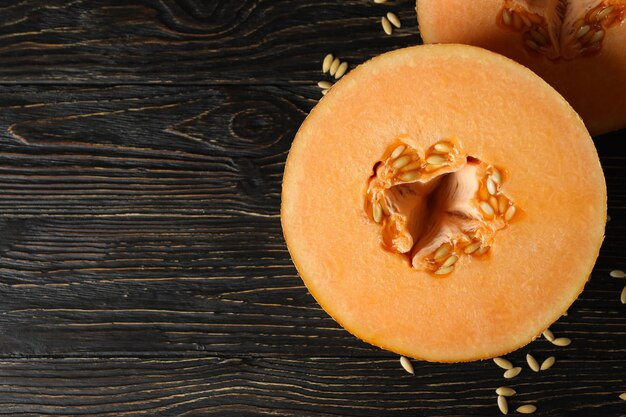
(136, 150)
(142, 266)
(303, 386)
(190, 41)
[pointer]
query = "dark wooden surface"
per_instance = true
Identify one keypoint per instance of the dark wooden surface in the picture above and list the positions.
(142, 266)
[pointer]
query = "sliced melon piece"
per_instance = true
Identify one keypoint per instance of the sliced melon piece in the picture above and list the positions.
(579, 47)
(436, 212)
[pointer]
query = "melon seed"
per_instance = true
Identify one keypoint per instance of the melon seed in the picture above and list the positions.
(618, 273)
(394, 20)
(503, 405)
(341, 70)
(377, 212)
(547, 364)
(397, 152)
(407, 365)
(334, 65)
(442, 251)
(526, 409)
(532, 362)
(548, 335)
(386, 26)
(604, 13)
(506, 391)
(513, 372)
(561, 341)
(328, 60)
(401, 162)
(503, 363)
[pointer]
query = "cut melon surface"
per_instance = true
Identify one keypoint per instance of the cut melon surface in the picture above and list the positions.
(579, 47)
(398, 164)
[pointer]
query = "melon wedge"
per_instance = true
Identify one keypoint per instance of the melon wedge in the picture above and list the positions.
(579, 47)
(424, 155)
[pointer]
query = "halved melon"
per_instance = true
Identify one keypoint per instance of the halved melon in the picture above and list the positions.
(579, 47)
(436, 212)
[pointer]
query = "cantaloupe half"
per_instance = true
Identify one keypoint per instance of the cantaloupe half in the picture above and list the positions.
(579, 47)
(436, 212)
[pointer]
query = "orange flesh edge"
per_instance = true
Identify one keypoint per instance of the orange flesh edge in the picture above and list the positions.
(536, 268)
(594, 85)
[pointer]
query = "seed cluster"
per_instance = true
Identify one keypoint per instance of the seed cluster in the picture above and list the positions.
(592, 29)
(503, 404)
(493, 202)
(534, 26)
(389, 21)
(333, 66)
(504, 392)
(404, 165)
(444, 258)
(557, 341)
(441, 154)
(588, 33)
(512, 371)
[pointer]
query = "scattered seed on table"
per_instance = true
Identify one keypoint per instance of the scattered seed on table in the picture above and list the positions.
(547, 364)
(393, 19)
(548, 335)
(618, 273)
(526, 409)
(622, 297)
(623, 396)
(407, 365)
(324, 85)
(503, 405)
(386, 25)
(333, 67)
(380, 1)
(328, 60)
(506, 391)
(341, 70)
(503, 363)
(532, 362)
(513, 372)
(324, 92)
(561, 341)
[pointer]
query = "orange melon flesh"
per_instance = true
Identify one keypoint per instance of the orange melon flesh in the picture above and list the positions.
(537, 265)
(595, 84)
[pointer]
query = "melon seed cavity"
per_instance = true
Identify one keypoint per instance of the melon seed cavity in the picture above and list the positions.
(561, 29)
(438, 207)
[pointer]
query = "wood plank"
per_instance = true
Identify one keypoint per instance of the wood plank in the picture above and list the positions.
(306, 386)
(190, 41)
(127, 150)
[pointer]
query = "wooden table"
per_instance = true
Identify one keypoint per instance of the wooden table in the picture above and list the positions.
(142, 266)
